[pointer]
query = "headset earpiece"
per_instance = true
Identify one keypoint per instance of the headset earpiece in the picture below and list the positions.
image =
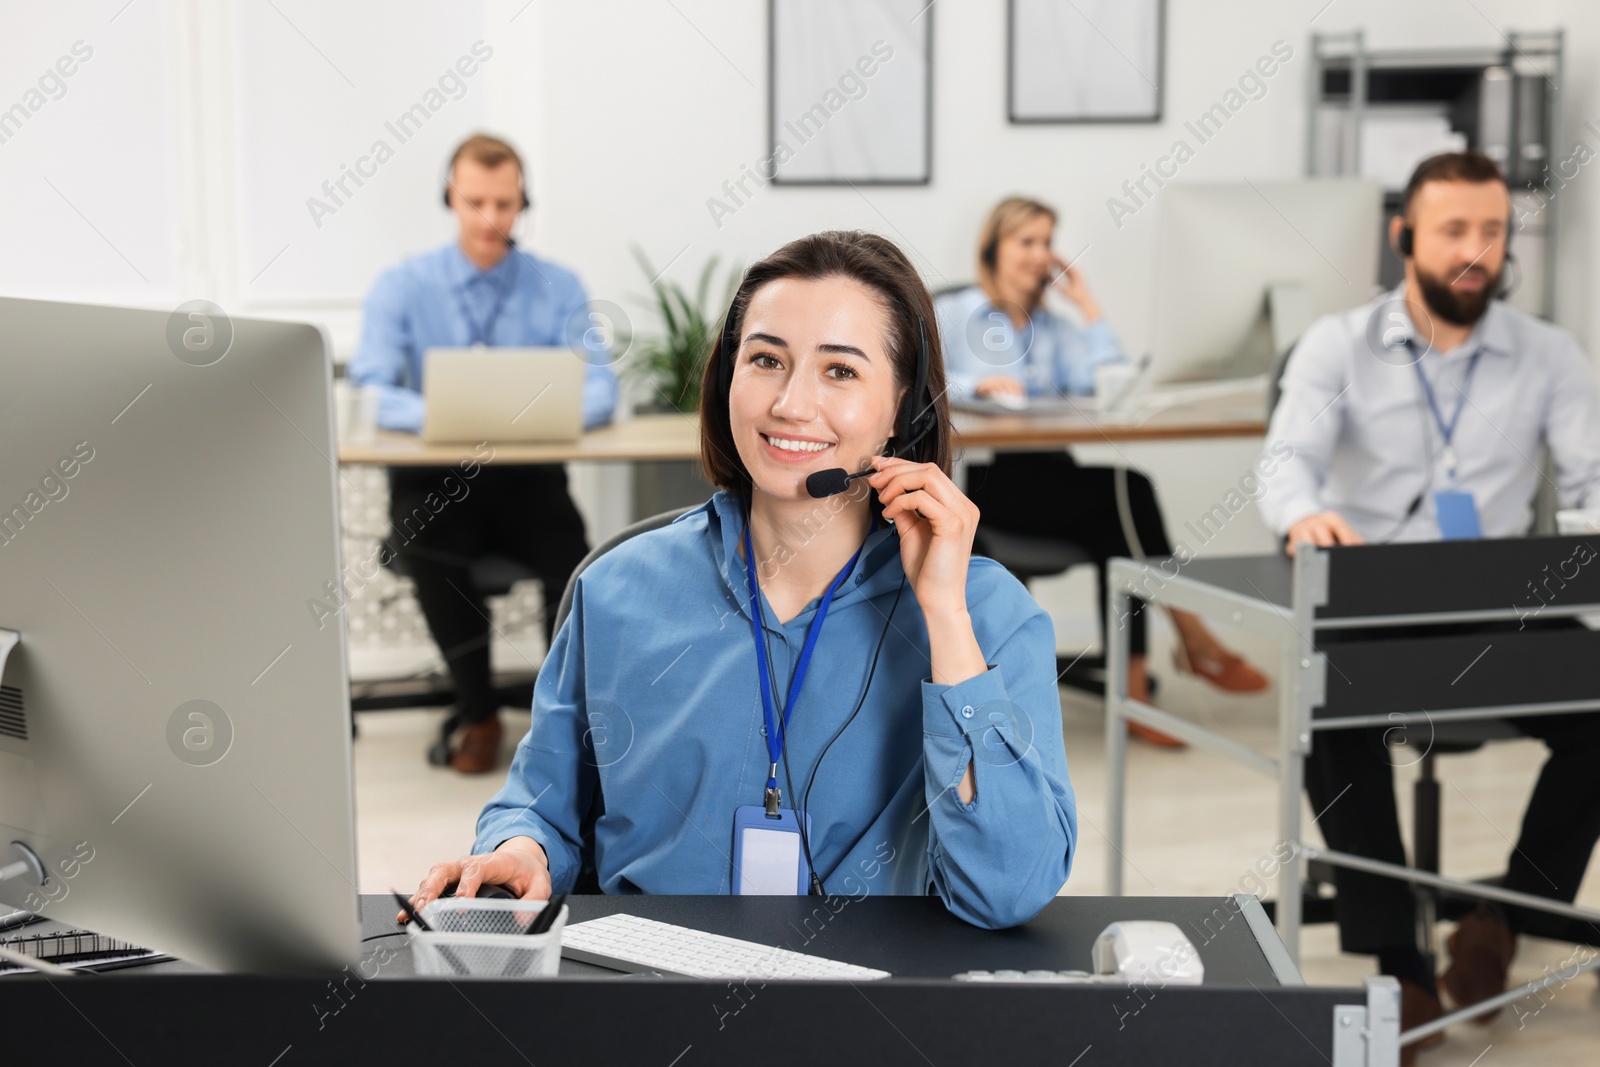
(988, 253)
(526, 203)
(916, 418)
(1406, 244)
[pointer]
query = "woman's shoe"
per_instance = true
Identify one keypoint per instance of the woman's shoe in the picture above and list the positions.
(1226, 670)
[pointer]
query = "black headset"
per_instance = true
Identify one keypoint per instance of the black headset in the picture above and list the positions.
(522, 183)
(917, 416)
(1406, 245)
(988, 252)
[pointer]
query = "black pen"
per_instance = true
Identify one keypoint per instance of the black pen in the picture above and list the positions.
(546, 918)
(411, 913)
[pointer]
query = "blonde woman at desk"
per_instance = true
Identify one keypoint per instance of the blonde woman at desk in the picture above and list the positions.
(912, 744)
(1002, 339)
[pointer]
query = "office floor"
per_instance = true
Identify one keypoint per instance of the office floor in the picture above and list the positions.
(1197, 825)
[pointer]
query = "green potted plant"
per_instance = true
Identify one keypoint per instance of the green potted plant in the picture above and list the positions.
(668, 365)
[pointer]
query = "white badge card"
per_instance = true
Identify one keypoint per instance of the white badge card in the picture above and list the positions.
(767, 857)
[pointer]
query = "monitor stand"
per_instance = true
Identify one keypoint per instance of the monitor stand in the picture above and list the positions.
(1289, 313)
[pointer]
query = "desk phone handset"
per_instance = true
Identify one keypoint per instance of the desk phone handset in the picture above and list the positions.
(1135, 952)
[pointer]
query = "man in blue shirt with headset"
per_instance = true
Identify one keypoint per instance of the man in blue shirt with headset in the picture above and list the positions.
(479, 290)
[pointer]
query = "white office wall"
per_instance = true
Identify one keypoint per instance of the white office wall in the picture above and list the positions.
(188, 145)
(674, 104)
(344, 113)
(88, 161)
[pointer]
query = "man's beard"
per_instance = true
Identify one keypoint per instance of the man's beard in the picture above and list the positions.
(1458, 309)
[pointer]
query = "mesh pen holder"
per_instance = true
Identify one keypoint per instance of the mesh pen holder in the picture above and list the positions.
(486, 938)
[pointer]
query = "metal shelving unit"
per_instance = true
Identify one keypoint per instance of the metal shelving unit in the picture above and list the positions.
(1504, 101)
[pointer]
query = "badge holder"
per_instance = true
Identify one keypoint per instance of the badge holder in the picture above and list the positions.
(767, 857)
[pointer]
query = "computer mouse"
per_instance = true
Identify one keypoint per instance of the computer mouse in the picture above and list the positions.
(1012, 401)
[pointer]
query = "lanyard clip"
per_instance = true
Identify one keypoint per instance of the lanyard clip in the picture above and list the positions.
(774, 798)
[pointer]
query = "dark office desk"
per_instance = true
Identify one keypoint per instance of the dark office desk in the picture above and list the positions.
(380, 1012)
(1342, 664)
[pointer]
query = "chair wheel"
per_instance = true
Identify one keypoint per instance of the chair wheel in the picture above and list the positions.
(439, 753)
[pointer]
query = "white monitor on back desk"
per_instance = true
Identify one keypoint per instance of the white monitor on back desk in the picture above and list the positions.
(1242, 268)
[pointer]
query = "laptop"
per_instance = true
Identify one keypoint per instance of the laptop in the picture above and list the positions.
(511, 395)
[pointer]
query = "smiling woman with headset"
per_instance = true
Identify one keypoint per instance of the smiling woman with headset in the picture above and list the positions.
(781, 693)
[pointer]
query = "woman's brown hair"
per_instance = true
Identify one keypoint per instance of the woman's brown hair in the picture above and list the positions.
(876, 263)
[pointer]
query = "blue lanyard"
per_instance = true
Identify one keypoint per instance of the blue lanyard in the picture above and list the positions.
(775, 732)
(1448, 430)
(479, 335)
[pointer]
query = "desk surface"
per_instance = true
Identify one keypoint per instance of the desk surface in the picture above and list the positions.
(917, 937)
(910, 937)
(1241, 1015)
(674, 436)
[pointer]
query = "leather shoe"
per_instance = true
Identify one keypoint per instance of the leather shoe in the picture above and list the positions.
(1140, 732)
(479, 748)
(1417, 1007)
(1228, 671)
(1481, 951)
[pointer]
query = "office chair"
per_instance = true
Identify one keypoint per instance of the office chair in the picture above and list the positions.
(588, 877)
(1447, 739)
(490, 575)
(1028, 557)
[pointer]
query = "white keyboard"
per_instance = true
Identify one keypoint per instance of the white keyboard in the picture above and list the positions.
(630, 943)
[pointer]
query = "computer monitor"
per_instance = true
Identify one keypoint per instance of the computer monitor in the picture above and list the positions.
(1242, 268)
(175, 743)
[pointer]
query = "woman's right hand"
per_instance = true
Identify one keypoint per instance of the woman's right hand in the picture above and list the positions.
(519, 864)
(1000, 385)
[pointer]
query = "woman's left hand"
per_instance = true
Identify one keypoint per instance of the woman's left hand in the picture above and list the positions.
(936, 523)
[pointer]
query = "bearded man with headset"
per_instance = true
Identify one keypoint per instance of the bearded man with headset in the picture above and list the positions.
(478, 290)
(1418, 417)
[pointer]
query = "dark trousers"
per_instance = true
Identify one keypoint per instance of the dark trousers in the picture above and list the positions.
(1559, 827)
(441, 522)
(1046, 494)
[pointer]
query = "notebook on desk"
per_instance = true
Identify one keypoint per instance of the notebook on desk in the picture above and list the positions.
(511, 395)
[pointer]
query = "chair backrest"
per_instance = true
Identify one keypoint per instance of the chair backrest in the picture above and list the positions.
(654, 522)
(1275, 377)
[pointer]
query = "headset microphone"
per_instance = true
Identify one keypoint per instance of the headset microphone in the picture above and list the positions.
(836, 479)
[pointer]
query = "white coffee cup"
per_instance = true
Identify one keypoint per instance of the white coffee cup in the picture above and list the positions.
(356, 412)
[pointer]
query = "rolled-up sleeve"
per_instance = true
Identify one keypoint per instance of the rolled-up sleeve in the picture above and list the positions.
(383, 360)
(997, 861)
(553, 776)
(1305, 425)
(587, 333)
(1081, 351)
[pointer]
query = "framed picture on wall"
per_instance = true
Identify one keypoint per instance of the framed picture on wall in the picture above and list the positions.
(1084, 60)
(850, 96)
